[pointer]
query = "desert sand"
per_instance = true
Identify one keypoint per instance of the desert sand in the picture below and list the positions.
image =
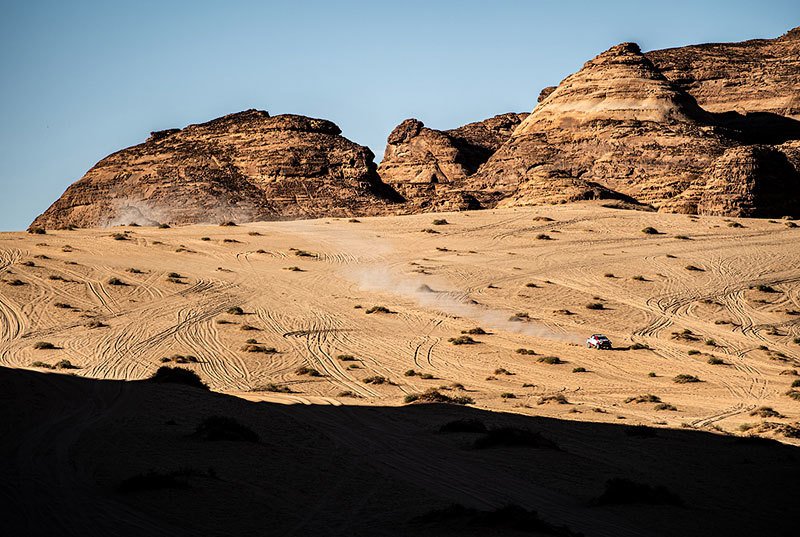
(712, 297)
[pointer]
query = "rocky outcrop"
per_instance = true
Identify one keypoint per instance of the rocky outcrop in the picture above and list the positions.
(616, 128)
(756, 76)
(746, 181)
(428, 166)
(246, 166)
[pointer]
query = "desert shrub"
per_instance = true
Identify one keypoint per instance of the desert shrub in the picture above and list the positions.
(65, 364)
(639, 278)
(163, 226)
(37, 231)
(224, 428)
(552, 360)
(528, 385)
(765, 288)
(96, 324)
(294, 269)
(224, 321)
(532, 285)
(646, 398)
(426, 376)
(692, 352)
(116, 281)
(429, 230)
(665, 406)
(231, 241)
(303, 253)
(794, 394)
(378, 309)
(650, 231)
(462, 340)
(686, 335)
(310, 371)
(275, 388)
(513, 437)
(252, 347)
(620, 491)
(766, 412)
(526, 352)
(178, 375)
(42, 365)
(652, 374)
(62, 305)
(595, 306)
(508, 395)
(682, 237)
(348, 393)
(711, 342)
(15, 282)
(227, 223)
(796, 384)
(684, 379)
(478, 331)
(28, 264)
(502, 371)
(735, 224)
(174, 276)
(410, 373)
(134, 271)
(639, 346)
(205, 238)
(376, 379)
(694, 268)
(556, 398)
(435, 396)
(248, 328)
(347, 358)
(609, 275)
(716, 361)
(543, 237)
(119, 237)
(467, 425)
(44, 345)
(440, 222)
(235, 310)
(579, 370)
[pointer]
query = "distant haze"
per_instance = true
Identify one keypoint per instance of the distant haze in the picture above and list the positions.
(83, 79)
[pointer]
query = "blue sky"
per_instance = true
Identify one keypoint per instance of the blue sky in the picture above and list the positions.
(81, 79)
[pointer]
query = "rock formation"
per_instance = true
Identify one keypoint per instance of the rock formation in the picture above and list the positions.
(246, 166)
(617, 124)
(428, 166)
(760, 75)
(619, 128)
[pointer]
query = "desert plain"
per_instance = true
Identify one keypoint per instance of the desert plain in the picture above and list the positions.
(327, 338)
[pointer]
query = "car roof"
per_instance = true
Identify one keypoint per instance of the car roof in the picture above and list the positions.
(599, 336)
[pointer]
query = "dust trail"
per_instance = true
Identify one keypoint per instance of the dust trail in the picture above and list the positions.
(444, 297)
(451, 301)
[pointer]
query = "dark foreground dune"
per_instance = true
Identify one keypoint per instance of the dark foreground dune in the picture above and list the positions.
(69, 446)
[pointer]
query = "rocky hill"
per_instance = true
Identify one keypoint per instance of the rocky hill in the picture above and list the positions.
(711, 129)
(620, 128)
(760, 75)
(429, 166)
(246, 166)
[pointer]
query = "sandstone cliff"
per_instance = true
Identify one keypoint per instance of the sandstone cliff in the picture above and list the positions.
(244, 167)
(760, 75)
(429, 166)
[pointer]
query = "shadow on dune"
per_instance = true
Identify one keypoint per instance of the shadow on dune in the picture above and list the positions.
(68, 443)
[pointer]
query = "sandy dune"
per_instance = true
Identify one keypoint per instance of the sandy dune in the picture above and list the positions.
(480, 269)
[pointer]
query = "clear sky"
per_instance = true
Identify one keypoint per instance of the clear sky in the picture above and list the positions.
(81, 79)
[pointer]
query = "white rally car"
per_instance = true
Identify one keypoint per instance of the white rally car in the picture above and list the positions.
(598, 341)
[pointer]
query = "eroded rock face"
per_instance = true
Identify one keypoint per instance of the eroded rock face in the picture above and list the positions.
(616, 128)
(244, 167)
(428, 166)
(756, 76)
(749, 181)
